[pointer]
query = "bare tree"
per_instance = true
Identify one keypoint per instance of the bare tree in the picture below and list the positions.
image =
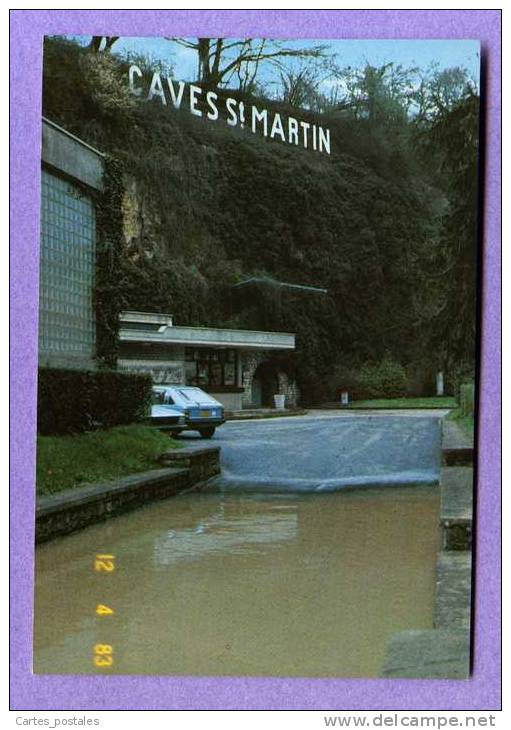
(218, 59)
(301, 86)
(102, 43)
(247, 72)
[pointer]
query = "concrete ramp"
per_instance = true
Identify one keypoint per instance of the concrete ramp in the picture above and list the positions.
(326, 454)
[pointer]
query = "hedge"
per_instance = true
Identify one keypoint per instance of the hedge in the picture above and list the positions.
(72, 401)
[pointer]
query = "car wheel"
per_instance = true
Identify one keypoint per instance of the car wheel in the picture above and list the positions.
(207, 433)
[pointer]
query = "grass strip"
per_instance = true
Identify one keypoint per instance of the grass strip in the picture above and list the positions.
(64, 462)
(391, 403)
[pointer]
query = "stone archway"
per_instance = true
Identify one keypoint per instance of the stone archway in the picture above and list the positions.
(265, 384)
(263, 378)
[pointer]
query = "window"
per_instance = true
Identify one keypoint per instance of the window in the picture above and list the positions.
(161, 397)
(210, 368)
(68, 252)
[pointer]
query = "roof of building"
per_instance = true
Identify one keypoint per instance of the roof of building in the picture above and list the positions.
(134, 329)
(72, 136)
(65, 153)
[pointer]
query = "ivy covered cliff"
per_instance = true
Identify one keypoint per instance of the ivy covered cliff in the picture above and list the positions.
(204, 207)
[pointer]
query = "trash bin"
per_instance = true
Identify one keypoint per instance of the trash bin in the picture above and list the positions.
(280, 401)
(345, 399)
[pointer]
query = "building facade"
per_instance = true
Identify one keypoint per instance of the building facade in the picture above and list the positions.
(221, 361)
(71, 180)
(236, 366)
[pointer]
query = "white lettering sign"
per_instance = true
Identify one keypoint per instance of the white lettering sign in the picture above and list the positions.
(208, 105)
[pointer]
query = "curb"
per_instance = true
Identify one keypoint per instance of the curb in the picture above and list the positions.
(71, 510)
(443, 652)
(254, 415)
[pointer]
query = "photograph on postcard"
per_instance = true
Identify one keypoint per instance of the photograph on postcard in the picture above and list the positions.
(257, 378)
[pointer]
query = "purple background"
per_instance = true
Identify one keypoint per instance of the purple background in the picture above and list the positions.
(482, 691)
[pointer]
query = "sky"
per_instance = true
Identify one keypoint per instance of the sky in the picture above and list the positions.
(354, 53)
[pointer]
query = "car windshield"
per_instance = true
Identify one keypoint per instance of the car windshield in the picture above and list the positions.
(183, 396)
(161, 397)
(196, 395)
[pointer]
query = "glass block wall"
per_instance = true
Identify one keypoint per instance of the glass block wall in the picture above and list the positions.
(67, 264)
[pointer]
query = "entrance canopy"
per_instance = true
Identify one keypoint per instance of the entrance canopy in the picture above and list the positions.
(158, 329)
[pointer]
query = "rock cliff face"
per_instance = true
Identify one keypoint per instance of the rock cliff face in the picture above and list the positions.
(205, 206)
(132, 215)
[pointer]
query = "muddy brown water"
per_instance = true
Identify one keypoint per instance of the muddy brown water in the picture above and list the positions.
(233, 584)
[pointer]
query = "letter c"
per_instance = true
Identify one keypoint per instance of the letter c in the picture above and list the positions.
(134, 70)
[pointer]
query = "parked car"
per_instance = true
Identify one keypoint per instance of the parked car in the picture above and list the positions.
(165, 417)
(198, 410)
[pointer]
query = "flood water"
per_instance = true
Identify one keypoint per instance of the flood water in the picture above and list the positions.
(257, 584)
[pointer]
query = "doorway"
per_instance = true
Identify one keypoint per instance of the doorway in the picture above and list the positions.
(265, 384)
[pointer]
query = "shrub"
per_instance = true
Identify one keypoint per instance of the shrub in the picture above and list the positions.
(71, 401)
(458, 375)
(387, 379)
(467, 398)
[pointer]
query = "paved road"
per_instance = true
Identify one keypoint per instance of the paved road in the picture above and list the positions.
(326, 452)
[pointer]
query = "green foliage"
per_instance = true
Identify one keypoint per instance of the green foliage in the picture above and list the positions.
(108, 289)
(385, 379)
(70, 401)
(405, 403)
(206, 206)
(380, 94)
(439, 92)
(459, 374)
(64, 462)
(347, 379)
(464, 413)
(467, 399)
(452, 145)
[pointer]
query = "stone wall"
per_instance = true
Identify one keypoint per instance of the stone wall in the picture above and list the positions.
(443, 651)
(166, 365)
(202, 462)
(250, 363)
(168, 373)
(290, 389)
(73, 509)
(287, 385)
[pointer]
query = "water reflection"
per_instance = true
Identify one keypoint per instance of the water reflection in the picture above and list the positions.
(309, 585)
(236, 527)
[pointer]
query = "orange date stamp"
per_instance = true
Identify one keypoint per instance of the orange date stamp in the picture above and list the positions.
(103, 654)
